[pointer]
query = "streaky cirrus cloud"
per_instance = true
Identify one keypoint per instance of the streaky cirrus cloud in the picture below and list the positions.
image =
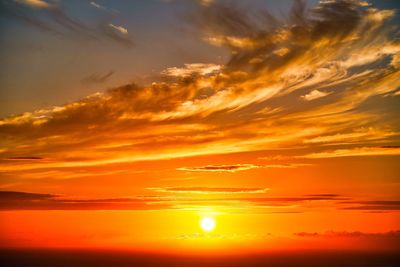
(355, 152)
(96, 5)
(221, 168)
(11, 200)
(35, 3)
(55, 19)
(373, 205)
(341, 47)
(192, 69)
(103, 7)
(238, 167)
(211, 190)
(24, 158)
(195, 198)
(97, 78)
(119, 28)
(334, 234)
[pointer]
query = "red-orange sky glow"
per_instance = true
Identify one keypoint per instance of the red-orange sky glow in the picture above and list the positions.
(125, 123)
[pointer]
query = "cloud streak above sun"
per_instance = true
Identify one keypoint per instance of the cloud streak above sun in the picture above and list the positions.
(195, 198)
(210, 190)
(300, 82)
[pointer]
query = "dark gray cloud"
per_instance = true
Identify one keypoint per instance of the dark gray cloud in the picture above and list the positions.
(10, 10)
(97, 78)
(55, 19)
(254, 36)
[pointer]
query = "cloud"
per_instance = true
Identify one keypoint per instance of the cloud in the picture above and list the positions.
(116, 33)
(366, 134)
(96, 78)
(119, 28)
(333, 196)
(97, 5)
(32, 201)
(101, 7)
(357, 234)
(53, 18)
(284, 201)
(20, 196)
(178, 198)
(238, 167)
(34, 3)
(373, 205)
(17, 13)
(220, 168)
(192, 69)
(315, 94)
(204, 109)
(206, 2)
(355, 152)
(210, 190)
(24, 158)
(373, 241)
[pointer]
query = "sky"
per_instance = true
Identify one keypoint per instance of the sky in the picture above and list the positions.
(123, 124)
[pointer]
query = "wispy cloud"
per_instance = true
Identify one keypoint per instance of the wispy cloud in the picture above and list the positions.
(96, 78)
(221, 168)
(192, 69)
(11, 200)
(116, 33)
(102, 7)
(96, 5)
(52, 17)
(238, 167)
(229, 199)
(365, 134)
(120, 29)
(24, 158)
(203, 109)
(334, 234)
(315, 94)
(372, 205)
(34, 3)
(196, 198)
(211, 190)
(355, 152)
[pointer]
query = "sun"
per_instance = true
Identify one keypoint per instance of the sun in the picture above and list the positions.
(207, 224)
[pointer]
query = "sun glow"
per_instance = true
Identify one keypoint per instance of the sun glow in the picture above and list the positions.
(207, 224)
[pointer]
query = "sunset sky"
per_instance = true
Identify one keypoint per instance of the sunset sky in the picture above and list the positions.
(123, 124)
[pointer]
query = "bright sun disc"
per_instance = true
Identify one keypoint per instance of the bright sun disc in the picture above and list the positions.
(207, 224)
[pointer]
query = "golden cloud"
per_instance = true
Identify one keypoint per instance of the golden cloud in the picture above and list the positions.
(340, 48)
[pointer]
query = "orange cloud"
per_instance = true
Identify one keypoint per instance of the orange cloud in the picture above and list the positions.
(221, 168)
(35, 3)
(203, 109)
(355, 152)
